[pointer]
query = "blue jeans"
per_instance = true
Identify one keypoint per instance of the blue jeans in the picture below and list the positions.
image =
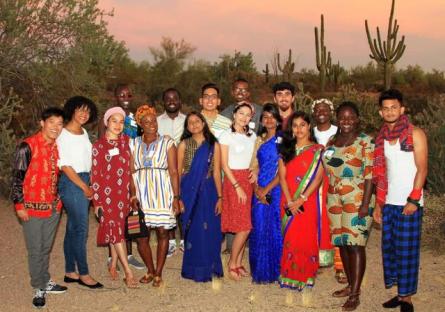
(76, 205)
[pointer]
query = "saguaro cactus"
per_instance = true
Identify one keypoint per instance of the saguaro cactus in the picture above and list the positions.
(288, 68)
(322, 56)
(388, 52)
(266, 73)
(334, 72)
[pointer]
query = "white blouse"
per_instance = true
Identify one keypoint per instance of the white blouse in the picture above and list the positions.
(74, 150)
(240, 148)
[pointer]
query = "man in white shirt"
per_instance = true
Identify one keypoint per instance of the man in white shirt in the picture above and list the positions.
(171, 123)
(322, 112)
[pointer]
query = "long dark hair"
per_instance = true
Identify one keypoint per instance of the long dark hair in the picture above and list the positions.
(287, 148)
(208, 135)
(246, 127)
(272, 109)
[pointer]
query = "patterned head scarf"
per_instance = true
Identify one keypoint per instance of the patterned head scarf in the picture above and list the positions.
(324, 101)
(144, 110)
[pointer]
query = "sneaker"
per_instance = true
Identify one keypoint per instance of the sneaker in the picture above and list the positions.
(53, 288)
(171, 250)
(38, 301)
(181, 245)
(135, 263)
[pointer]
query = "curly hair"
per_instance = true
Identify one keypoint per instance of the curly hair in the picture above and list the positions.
(77, 102)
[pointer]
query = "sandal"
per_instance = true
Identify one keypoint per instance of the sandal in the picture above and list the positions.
(131, 283)
(242, 271)
(234, 274)
(147, 278)
(157, 281)
(352, 303)
(344, 292)
(341, 277)
(113, 273)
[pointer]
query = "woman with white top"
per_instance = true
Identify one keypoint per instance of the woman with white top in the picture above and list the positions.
(237, 146)
(75, 162)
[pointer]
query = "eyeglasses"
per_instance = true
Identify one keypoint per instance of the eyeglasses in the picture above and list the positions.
(242, 90)
(123, 95)
(210, 96)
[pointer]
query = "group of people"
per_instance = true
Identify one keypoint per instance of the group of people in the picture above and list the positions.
(290, 185)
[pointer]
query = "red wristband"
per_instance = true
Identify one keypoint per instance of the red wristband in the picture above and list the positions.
(416, 194)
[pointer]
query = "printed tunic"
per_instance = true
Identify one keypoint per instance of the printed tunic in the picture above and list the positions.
(347, 168)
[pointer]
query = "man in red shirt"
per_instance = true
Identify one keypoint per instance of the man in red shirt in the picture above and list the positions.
(37, 204)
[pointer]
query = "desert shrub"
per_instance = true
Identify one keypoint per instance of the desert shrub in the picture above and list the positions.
(10, 104)
(431, 119)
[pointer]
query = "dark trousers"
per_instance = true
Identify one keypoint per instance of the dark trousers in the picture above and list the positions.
(76, 235)
(39, 237)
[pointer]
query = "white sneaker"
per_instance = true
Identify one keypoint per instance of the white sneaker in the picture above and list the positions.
(171, 249)
(181, 245)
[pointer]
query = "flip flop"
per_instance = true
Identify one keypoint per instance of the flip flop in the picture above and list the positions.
(147, 278)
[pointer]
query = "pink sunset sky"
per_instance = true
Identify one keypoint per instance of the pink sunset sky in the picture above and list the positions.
(262, 27)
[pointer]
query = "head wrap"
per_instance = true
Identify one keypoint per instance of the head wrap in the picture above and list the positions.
(111, 111)
(324, 101)
(144, 110)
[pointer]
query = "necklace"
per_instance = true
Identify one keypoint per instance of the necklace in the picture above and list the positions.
(299, 150)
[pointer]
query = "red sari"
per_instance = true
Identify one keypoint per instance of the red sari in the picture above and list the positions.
(305, 233)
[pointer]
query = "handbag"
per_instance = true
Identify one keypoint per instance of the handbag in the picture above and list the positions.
(135, 226)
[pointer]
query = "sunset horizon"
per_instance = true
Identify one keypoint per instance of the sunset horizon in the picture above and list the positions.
(265, 27)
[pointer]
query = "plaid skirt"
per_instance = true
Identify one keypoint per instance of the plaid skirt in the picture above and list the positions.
(401, 248)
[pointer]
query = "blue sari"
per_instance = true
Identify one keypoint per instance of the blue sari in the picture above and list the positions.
(265, 242)
(201, 227)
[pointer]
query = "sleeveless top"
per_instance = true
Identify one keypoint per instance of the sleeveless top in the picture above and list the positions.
(401, 171)
(190, 149)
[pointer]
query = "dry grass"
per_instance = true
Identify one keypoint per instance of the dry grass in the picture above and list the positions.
(433, 232)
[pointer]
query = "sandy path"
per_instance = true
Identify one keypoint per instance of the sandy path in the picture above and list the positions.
(179, 294)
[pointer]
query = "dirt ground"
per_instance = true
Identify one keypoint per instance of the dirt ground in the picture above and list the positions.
(178, 294)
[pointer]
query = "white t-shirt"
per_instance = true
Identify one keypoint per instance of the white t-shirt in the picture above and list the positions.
(324, 136)
(240, 148)
(74, 150)
(171, 127)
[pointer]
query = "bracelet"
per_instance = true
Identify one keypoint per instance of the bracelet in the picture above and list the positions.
(133, 198)
(413, 201)
(415, 194)
(304, 197)
(219, 197)
(177, 197)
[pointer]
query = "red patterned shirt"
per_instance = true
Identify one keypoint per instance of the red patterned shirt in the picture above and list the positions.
(35, 177)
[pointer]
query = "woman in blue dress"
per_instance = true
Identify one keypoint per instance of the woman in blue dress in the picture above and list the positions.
(265, 244)
(199, 164)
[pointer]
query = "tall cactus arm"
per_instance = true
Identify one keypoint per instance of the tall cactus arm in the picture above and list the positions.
(317, 49)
